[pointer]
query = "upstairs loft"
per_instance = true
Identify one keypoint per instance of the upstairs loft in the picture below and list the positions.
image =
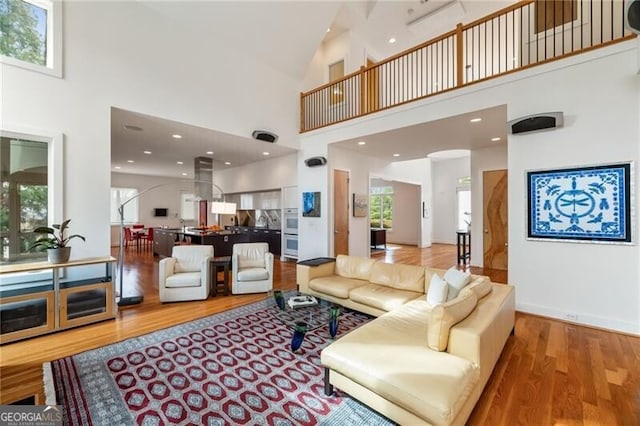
(523, 35)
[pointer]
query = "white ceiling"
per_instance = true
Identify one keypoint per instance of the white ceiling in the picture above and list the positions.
(286, 35)
(166, 151)
(420, 140)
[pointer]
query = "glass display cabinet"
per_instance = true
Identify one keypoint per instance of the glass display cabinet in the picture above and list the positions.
(40, 297)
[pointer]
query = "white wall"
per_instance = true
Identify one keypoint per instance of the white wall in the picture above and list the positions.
(445, 184)
(601, 126)
(273, 173)
(164, 197)
(134, 58)
(493, 158)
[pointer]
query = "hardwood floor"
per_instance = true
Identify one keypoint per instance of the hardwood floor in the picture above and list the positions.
(550, 372)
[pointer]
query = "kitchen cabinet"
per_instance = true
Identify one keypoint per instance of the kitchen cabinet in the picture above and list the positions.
(271, 236)
(163, 242)
(65, 295)
(290, 197)
(247, 202)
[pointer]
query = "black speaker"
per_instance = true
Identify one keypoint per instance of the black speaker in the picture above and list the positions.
(315, 161)
(632, 13)
(264, 135)
(531, 123)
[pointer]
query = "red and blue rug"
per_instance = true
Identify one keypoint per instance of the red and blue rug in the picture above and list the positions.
(232, 368)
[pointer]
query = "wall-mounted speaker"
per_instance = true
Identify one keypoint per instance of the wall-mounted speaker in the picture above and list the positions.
(315, 161)
(632, 13)
(534, 122)
(264, 135)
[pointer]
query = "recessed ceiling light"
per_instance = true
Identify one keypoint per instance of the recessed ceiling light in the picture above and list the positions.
(495, 139)
(117, 167)
(476, 120)
(179, 162)
(147, 152)
(130, 161)
(133, 128)
(183, 174)
(396, 155)
(265, 153)
(362, 143)
(392, 40)
(209, 152)
(176, 136)
(226, 163)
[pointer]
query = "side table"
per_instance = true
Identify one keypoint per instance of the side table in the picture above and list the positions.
(220, 264)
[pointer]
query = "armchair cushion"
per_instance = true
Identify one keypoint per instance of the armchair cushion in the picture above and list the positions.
(253, 274)
(190, 258)
(184, 279)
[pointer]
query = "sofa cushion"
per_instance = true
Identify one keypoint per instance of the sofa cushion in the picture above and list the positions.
(253, 274)
(389, 357)
(402, 277)
(443, 317)
(382, 297)
(456, 280)
(481, 286)
(354, 267)
(184, 279)
(438, 290)
(335, 286)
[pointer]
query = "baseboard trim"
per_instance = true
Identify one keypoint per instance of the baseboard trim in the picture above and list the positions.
(606, 324)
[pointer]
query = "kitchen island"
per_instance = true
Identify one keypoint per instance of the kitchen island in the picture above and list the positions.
(222, 241)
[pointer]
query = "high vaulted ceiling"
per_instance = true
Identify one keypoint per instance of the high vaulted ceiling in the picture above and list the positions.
(286, 35)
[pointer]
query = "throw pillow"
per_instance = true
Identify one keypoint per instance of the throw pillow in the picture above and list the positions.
(481, 287)
(456, 280)
(442, 317)
(438, 289)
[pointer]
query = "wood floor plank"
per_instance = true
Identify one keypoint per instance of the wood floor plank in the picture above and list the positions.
(550, 372)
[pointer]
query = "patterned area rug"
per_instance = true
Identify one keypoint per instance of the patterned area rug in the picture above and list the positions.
(231, 368)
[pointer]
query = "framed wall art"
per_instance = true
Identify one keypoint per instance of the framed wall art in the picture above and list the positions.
(311, 204)
(360, 205)
(589, 204)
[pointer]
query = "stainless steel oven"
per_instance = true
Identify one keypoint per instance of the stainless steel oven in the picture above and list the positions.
(290, 221)
(290, 245)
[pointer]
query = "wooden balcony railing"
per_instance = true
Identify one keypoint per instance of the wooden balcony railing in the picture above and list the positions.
(526, 34)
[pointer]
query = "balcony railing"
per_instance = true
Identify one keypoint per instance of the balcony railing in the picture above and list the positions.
(526, 34)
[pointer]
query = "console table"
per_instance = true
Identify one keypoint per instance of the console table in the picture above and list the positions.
(378, 238)
(41, 297)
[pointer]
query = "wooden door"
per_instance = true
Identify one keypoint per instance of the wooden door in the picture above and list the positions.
(495, 220)
(340, 212)
(373, 88)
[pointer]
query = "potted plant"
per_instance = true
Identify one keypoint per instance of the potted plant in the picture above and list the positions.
(57, 244)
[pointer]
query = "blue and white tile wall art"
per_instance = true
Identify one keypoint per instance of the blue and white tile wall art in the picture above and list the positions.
(589, 204)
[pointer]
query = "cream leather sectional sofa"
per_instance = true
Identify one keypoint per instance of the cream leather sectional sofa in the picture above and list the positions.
(416, 363)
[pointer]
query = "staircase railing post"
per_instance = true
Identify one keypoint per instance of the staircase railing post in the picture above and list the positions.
(459, 56)
(362, 91)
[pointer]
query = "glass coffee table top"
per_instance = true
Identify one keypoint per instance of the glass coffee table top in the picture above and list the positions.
(314, 316)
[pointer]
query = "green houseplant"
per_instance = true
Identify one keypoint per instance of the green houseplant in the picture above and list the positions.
(56, 243)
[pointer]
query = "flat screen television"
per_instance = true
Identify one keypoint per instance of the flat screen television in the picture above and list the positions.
(157, 212)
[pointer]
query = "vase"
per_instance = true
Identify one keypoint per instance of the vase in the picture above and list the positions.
(279, 298)
(333, 320)
(298, 335)
(59, 255)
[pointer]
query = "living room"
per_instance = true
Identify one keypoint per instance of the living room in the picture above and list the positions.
(108, 62)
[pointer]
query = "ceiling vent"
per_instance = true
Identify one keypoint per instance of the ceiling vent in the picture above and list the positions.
(264, 135)
(435, 21)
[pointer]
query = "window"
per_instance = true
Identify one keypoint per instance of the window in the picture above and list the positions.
(119, 196)
(464, 208)
(381, 207)
(30, 189)
(336, 92)
(187, 206)
(30, 34)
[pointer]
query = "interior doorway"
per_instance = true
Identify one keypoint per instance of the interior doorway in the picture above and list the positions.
(340, 212)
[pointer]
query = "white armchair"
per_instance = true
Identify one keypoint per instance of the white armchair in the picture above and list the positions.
(252, 268)
(185, 275)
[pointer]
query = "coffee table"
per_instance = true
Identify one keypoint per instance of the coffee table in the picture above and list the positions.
(312, 317)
